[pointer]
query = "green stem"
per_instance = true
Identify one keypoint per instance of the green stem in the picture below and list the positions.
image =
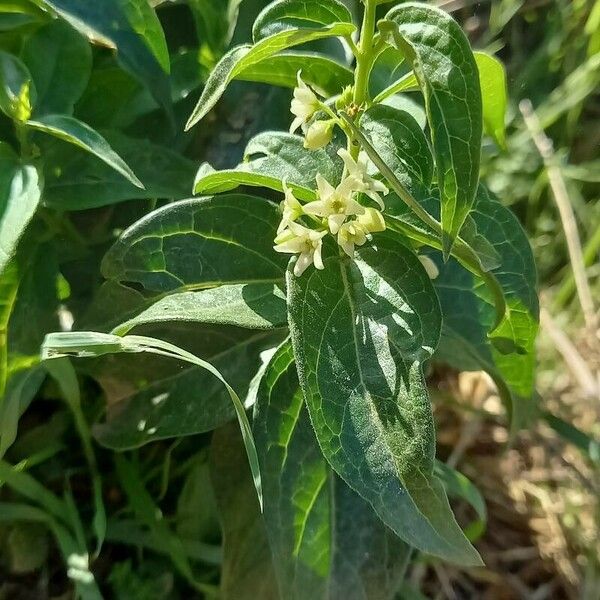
(23, 137)
(364, 60)
(364, 63)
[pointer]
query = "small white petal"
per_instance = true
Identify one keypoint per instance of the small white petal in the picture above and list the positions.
(304, 261)
(317, 258)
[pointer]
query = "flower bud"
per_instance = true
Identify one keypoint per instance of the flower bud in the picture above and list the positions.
(319, 134)
(345, 98)
(372, 220)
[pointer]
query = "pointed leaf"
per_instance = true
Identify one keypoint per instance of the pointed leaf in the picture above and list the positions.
(450, 84)
(252, 306)
(198, 244)
(361, 331)
(146, 24)
(75, 132)
(326, 541)
(242, 57)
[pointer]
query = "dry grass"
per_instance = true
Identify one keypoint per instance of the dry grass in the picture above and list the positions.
(543, 534)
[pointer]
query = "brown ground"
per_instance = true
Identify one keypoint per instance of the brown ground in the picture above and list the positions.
(543, 534)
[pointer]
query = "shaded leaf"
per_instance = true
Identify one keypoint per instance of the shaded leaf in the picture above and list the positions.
(60, 62)
(20, 391)
(189, 400)
(326, 541)
(468, 310)
(361, 331)
(247, 571)
(145, 23)
(252, 306)
(128, 27)
(79, 134)
(77, 181)
(402, 145)
(271, 158)
(17, 90)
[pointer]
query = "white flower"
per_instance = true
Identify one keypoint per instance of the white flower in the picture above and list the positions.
(304, 105)
(291, 208)
(357, 170)
(297, 239)
(355, 233)
(351, 234)
(430, 267)
(319, 134)
(335, 204)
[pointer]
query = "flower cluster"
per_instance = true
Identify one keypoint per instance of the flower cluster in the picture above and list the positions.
(336, 210)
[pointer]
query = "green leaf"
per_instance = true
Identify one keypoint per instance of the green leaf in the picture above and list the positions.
(79, 134)
(460, 487)
(407, 82)
(20, 191)
(77, 181)
(17, 90)
(200, 243)
(242, 57)
(19, 393)
(90, 344)
(492, 78)
(182, 401)
(402, 145)
(150, 515)
(10, 280)
(361, 331)
(469, 314)
(297, 14)
(252, 306)
(270, 158)
(62, 371)
(450, 84)
(326, 541)
(128, 27)
(215, 23)
(325, 75)
(146, 24)
(60, 62)
(247, 570)
(34, 312)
